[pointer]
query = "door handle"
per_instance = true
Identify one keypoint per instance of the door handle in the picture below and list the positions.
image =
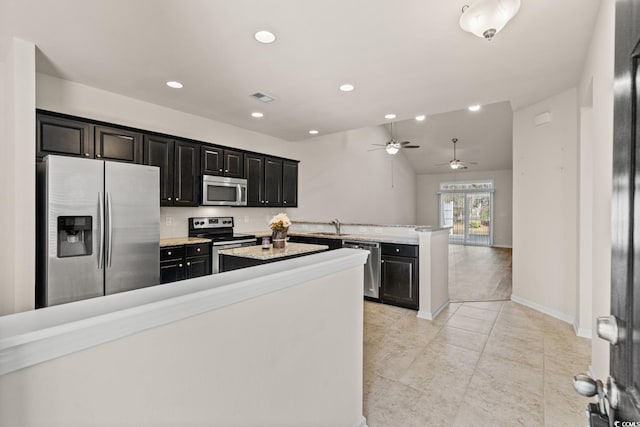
(101, 219)
(238, 194)
(607, 328)
(110, 231)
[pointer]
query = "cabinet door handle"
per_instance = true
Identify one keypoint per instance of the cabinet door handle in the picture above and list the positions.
(397, 250)
(169, 198)
(168, 253)
(180, 265)
(285, 202)
(188, 264)
(226, 171)
(177, 199)
(220, 170)
(198, 249)
(98, 156)
(382, 262)
(267, 202)
(87, 154)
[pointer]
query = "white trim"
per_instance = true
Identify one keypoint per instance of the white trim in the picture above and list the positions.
(36, 336)
(502, 246)
(546, 310)
(362, 422)
(582, 332)
(424, 314)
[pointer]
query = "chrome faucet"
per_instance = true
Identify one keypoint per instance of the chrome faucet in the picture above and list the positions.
(336, 223)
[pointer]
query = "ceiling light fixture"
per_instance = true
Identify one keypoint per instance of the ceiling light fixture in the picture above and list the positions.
(265, 37)
(485, 18)
(313, 132)
(392, 147)
(347, 87)
(421, 118)
(174, 84)
(474, 107)
(257, 115)
(390, 116)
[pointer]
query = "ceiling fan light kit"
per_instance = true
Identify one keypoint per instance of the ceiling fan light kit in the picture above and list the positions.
(485, 18)
(392, 146)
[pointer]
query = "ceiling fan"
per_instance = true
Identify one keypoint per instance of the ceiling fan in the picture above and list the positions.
(392, 146)
(456, 164)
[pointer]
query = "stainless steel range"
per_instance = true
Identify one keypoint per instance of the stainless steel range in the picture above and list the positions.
(220, 231)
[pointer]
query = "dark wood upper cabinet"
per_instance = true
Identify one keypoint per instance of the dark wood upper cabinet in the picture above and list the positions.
(187, 167)
(272, 182)
(222, 162)
(254, 172)
(159, 152)
(289, 184)
(118, 144)
(212, 160)
(233, 163)
(61, 136)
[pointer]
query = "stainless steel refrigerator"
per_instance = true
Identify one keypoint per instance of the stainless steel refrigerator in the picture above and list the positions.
(99, 228)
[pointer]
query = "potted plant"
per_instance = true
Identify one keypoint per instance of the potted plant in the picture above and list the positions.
(279, 226)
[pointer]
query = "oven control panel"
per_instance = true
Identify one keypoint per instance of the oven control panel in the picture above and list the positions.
(210, 222)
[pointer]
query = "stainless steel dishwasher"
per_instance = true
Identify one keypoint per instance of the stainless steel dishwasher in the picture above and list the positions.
(371, 268)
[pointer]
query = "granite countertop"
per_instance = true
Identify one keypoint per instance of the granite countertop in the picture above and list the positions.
(178, 241)
(406, 240)
(256, 252)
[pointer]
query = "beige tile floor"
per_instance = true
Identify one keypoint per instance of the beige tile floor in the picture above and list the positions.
(477, 364)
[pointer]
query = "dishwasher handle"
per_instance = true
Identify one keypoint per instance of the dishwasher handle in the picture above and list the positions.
(360, 245)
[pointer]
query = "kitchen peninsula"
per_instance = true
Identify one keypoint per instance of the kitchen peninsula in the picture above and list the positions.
(416, 255)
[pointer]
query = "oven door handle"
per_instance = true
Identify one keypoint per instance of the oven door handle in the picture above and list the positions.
(228, 244)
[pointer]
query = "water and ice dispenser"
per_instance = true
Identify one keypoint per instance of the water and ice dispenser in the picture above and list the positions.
(74, 236)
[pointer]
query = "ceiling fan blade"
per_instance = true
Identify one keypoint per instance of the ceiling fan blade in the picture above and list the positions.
(411, 146)
(376, 149)
(404, 142)
(442, 164)
(380, 145)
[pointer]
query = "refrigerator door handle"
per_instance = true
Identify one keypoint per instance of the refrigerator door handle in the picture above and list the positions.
(110, 231)
(101, 219)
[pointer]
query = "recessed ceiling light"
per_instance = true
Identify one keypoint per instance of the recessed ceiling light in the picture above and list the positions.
(390, 116)
(257, 114)
(421, 118)
(174, 84)
(313, 132)
(347, 87)
(474, 107)
(265, 36)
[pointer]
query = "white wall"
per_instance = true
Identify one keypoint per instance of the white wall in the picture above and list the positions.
(337, 176)
(427, 200)
(545, 217)
(272, 360)
(597, 82)
(341, 179)
(17, 253)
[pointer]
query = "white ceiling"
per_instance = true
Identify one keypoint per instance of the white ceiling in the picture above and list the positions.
(407, 57)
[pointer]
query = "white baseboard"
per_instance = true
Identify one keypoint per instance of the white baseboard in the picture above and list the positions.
(362, 422)
(582, 332)
(428, 315)
(546, 310)
(502, 246)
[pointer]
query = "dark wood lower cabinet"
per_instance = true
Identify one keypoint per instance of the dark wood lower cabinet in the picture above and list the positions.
(399, 276)
(184, 262)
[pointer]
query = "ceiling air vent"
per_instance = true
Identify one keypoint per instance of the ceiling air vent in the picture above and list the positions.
(263, 97)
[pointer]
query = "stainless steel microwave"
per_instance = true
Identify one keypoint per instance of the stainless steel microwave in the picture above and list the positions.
(221, 191)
